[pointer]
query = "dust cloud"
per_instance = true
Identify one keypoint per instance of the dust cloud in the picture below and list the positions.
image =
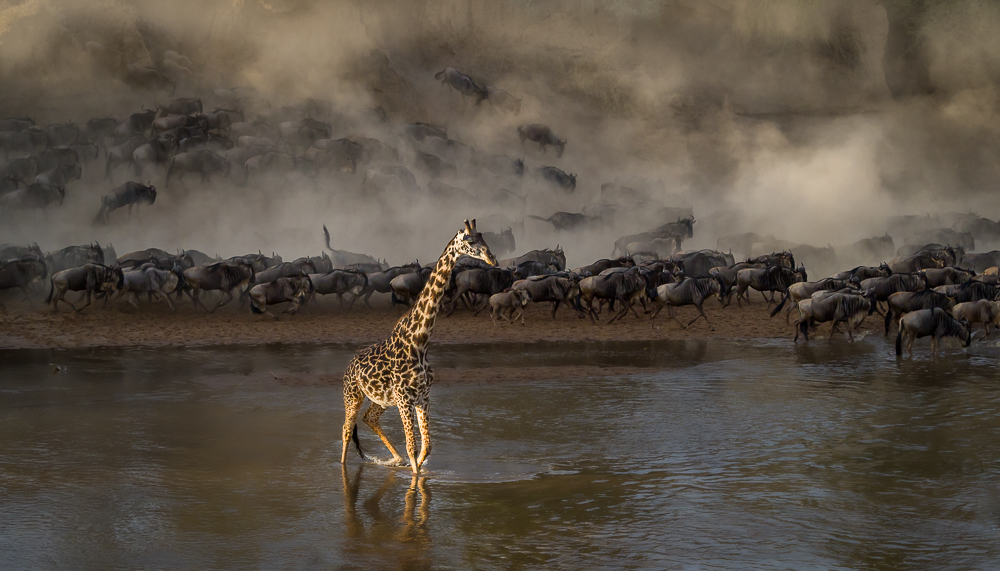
(809, 122)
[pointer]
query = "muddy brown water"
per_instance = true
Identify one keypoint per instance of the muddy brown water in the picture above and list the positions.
(709, 455)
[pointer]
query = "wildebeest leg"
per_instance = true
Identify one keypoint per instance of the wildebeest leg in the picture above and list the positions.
(131, 298)
(520, 310)
(486, 304)
(82, 307)
(621, 313)
(701, 312)
(909, 342)
(555, 307)
(935, 341)
(228, 294)
(371, 418)
(166, 298)
(24, 290)
(673, 315)
(493, 316)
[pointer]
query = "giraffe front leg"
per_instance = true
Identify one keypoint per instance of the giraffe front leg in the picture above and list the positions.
(406, 415)
(425, 434)
(371, 418)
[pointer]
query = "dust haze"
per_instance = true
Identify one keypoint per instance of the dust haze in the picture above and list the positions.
(812, 122)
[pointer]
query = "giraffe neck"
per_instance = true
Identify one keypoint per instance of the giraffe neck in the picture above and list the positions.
(416, 326)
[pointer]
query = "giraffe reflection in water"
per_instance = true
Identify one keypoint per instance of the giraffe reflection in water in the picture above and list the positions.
(412, 534)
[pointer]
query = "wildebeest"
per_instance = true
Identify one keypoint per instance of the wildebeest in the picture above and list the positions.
(554, 289)
(983, 311)
(21, 273)
(603, 264)
(916, 262)
(485, 282)
(138, 75)
(570, 221)
(405, 288)
(381, 281)
(885, 286)
(16, 123)
(383, 179)
(547, 256)
(205, 162)
(502, 243)
(155, 151)
(502, 100)
(542, 135)
(222, 119)
(122, 154)
(91, 278)
(75, 256)
(293, 289)
(220, 276)
(275, 163)
(128, 194)
(296, 268)
(420, 131)
(62, 135)
(434, 166)
(559, 178)
(339, 282)
(156, 284)
(770, 279)
(946, 276)
(740, 243)
(182, 106)
(22, 142)
(970, 291)
(862, 273)
(943, 236)
(60, 176)
(903, 302)
(97, 130)
(699, 264)
(499, 165)
(506, 304)
(34, 196)
(171, 122)
(848, 308)
(934, 323)
(135, 126)
(690, 291)
(9, 251)
(530, 268)
(623, 287)
(804, 290)
(461, 83)
(23, 170)
(303, 132)
(982, 261)
(677, 231)
(339, 154)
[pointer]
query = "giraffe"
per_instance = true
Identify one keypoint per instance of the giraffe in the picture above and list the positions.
(395, 372)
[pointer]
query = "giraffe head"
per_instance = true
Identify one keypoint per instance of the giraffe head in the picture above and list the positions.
(469, 242)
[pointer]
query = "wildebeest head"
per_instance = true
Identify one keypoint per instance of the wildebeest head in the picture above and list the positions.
(519, 167)
(470, 242)
(61, 193)
(150, 192)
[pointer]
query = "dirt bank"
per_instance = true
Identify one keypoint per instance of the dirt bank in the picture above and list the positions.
(157, 326)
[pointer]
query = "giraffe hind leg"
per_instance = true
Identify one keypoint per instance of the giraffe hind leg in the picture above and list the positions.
(371, 418)
(353, 399)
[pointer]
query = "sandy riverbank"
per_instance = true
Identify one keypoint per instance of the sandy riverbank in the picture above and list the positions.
(325, 322)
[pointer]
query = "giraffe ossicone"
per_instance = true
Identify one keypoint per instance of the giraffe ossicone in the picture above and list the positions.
(395, 372)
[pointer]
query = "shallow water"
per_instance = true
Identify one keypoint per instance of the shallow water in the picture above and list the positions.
(712, 455)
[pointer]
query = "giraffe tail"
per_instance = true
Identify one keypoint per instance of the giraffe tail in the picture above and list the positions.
(357, 443)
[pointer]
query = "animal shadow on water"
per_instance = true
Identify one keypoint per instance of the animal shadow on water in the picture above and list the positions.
(383, 526)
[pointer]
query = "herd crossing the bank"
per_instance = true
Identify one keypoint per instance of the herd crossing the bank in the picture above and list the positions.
(246, 141)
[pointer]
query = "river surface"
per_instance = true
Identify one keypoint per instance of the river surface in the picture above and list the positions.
(709, 455)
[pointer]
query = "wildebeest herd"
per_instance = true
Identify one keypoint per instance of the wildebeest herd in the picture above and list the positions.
(934, 285)
(936, 291)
